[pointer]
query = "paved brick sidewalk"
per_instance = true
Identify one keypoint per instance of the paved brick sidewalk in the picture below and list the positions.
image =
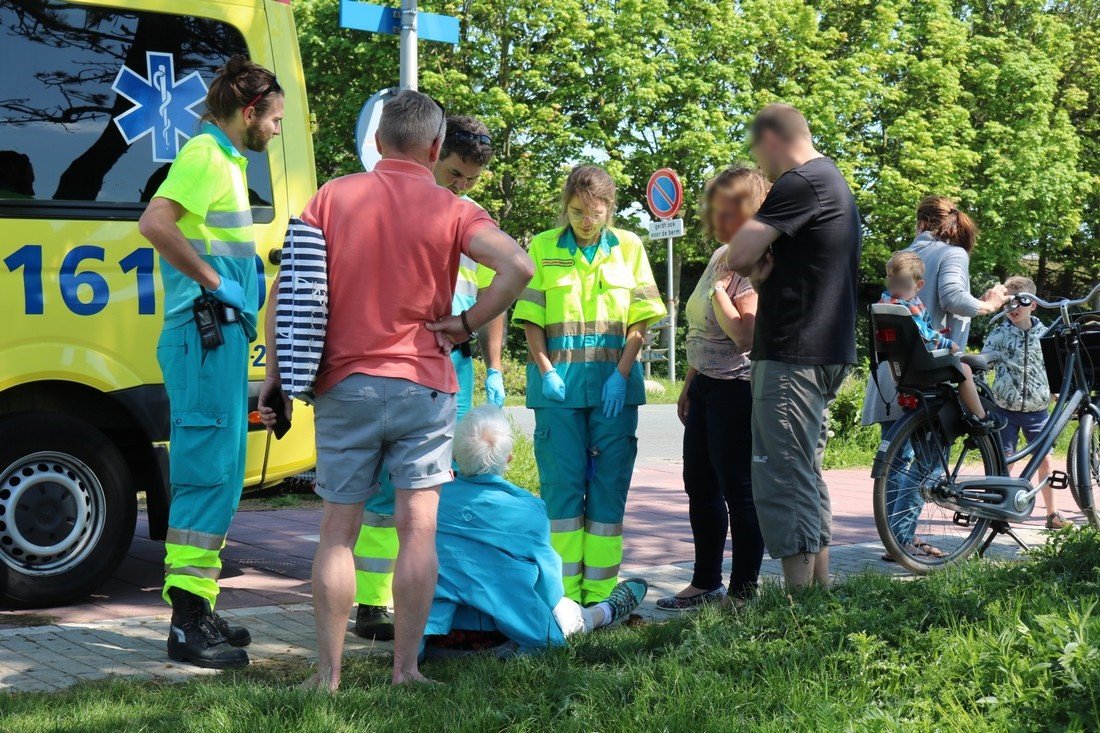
(121, 630)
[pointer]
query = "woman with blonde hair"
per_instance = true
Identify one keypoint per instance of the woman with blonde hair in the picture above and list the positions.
(715, 405)
(585, 314)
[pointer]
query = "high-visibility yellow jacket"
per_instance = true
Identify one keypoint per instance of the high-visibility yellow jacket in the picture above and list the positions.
(586, 308)
(208, 180)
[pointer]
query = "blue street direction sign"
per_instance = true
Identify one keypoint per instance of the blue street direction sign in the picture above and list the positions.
(380, 19)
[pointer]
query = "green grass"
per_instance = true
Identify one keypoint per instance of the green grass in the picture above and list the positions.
(522, 471)
(983, 647)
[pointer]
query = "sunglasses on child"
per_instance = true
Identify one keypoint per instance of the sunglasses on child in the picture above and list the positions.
(1019, 301)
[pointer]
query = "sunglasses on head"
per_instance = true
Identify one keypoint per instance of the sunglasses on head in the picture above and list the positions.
(472, 136)
(272, 87)
(443, 112)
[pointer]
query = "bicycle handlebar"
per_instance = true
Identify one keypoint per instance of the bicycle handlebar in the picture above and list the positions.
(1064, 304)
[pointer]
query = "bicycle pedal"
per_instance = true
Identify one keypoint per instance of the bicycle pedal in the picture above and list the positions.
(1058, 480)
(962, 520)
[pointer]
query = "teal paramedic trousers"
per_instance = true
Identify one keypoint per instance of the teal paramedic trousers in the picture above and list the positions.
(208, 398)
(585, 465)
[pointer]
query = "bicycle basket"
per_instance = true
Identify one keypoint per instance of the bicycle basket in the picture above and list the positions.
(1054, 350)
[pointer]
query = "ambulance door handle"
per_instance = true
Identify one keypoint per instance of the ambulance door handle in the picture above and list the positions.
(275, 256)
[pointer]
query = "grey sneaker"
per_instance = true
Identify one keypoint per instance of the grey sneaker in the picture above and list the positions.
(626, 597)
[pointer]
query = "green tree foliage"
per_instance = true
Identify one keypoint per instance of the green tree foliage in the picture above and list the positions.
(996, 103)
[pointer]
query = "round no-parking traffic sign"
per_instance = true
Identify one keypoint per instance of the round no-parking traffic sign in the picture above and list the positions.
(369, 118)
(664, 194)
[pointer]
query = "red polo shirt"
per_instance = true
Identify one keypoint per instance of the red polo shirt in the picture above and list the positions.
(393, 238)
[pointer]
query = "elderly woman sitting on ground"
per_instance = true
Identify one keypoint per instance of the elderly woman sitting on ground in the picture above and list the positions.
(499, 577)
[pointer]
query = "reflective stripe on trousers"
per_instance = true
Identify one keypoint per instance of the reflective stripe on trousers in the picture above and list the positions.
(567, 539)
(208, 402)
(375, 559)
(586, 514)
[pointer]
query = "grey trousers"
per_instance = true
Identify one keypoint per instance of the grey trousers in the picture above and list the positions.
(788, 445)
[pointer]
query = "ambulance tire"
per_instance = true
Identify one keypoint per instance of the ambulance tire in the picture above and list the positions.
(74, 470)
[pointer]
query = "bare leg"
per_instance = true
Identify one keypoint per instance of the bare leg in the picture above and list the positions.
(334, 588)
(414, 578)
(798, 570)
(968, 392)
(1045, 469)
(821, 567)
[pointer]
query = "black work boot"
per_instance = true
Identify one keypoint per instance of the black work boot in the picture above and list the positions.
(195, 638)
(373, 622)
(235, 635)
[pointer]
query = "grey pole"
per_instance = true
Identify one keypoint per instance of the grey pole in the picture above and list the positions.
(671, 319)
(408, 44)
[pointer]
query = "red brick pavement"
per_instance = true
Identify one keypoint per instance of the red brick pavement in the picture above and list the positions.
(657, 530)
(268, 556)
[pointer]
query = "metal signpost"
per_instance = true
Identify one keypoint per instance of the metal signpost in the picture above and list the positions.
(411, 25)
(665, 196)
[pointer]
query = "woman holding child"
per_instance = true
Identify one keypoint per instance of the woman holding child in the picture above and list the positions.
(715, 406)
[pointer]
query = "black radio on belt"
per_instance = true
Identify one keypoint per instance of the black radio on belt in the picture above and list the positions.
(210, 313)
(466, 348)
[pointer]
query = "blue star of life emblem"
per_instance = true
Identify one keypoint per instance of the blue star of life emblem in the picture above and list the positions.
(162, 105)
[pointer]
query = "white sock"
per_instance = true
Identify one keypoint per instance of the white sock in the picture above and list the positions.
(608, 613)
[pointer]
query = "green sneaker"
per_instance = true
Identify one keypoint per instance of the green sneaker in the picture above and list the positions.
(626, 597)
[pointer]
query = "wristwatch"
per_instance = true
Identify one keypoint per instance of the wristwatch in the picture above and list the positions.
(718, 289)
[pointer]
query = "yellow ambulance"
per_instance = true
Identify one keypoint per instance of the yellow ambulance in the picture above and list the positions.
(96, 99)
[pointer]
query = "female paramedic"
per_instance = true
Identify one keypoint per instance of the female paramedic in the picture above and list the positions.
(585, 314)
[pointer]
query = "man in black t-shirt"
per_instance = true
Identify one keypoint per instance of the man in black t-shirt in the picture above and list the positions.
(801, 252)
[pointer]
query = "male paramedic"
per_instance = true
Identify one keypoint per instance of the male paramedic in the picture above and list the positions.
(200, 222)
(467, 149)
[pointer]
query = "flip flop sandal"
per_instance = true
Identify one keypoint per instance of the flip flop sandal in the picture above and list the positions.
(928, 549)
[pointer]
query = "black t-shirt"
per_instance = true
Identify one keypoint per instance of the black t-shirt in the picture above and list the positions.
(807, 307)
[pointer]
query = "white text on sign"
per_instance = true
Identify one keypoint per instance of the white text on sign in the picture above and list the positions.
(666, 228)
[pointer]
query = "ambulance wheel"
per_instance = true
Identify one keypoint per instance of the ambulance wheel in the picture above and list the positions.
(67, 508)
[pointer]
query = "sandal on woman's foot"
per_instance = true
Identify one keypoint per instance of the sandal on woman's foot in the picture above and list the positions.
(928, 549)
(1057, 521)
(690, 603)
(887, 557)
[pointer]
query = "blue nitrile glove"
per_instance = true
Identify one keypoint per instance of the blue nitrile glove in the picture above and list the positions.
(553, 388)
(494, 387)
(231, 293)
(614, 394)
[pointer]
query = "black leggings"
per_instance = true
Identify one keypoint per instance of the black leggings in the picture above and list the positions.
(718, 482)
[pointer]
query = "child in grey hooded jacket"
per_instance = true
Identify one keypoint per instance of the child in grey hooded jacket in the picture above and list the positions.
(1020, 386)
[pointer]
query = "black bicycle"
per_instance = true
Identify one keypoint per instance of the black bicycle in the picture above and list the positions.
(942, 487)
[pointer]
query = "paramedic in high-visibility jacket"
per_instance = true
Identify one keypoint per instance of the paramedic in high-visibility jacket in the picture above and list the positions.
(200, 221)
(585, 314)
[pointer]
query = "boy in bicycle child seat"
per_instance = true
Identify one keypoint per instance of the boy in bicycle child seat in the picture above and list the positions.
(1020, 386)
(904, 279)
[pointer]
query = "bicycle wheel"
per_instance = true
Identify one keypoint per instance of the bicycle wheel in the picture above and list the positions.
(919, 525)
(1084, 476)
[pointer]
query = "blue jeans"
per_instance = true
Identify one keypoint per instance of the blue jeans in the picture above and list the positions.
(903, 500)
